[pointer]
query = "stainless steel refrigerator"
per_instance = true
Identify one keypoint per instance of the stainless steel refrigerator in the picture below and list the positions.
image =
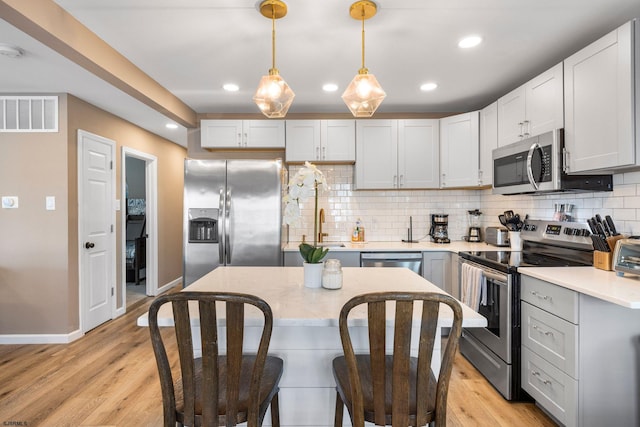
(232, 215)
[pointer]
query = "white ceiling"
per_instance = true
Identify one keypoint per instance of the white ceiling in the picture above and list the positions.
(193, 47)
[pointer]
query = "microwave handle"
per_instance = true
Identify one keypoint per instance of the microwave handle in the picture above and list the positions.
(532, 180)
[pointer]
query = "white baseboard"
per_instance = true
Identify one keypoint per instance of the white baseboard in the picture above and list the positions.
(41, 338)
(169, 285)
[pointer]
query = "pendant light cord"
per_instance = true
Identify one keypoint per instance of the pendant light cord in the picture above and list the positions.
(273, 37)
(363, 37)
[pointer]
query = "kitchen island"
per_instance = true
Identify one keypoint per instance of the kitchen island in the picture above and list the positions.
(305, 323)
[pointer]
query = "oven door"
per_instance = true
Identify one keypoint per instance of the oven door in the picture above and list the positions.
(497, 310)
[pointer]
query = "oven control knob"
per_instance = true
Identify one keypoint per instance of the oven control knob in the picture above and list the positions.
(568, 231)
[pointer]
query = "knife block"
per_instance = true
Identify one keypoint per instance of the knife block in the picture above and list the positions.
(604, 260)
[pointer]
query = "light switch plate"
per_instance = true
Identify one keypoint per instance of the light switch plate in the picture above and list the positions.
(50, 203)
(9, 202)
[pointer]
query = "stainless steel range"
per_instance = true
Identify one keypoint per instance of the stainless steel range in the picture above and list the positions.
(495, 350)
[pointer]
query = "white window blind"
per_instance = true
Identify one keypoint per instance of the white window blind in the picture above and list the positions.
(28, 114)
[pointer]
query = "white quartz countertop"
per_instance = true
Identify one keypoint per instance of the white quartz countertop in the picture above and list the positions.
(295, 305)
(456, 246)
(605, 285)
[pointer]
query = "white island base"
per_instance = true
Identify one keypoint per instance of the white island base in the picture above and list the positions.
(305, 332)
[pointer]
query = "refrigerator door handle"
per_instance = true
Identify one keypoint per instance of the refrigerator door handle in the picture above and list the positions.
(220, 241)
(227, 241)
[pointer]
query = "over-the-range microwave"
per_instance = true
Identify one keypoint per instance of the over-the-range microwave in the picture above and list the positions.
(535, 165)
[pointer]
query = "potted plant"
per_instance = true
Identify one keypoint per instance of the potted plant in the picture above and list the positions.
(306, 182)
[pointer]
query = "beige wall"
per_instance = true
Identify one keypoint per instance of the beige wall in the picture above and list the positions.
(38, 252)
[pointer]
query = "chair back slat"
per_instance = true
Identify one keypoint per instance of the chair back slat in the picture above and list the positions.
(210, 372)
(401, 361)
(184, 340)
(428, 326)
(377, 349)
(235, 336)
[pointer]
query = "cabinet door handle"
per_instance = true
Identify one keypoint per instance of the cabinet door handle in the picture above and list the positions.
(246, 139)
(565, 160)
(544, 297)
(401, 180)
(395, 181)
(443, 180)
(528, 123)
(317, 153)
(542, 331)
(479, 177)
(537, 374)
(521, 124)
(324, 153)
(239, 139)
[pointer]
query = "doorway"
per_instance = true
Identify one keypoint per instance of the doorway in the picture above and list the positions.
(139, 226)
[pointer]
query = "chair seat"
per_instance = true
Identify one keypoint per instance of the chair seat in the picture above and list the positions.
(268, 385)
(341, 375)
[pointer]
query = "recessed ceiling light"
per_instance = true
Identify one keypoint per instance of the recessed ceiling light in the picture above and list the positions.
(470, 41)
(231, 87)
(330, 87)
(428, 86)
(171, 126)
(11, 51)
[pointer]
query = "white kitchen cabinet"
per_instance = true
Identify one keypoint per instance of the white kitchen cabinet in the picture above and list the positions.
(533, 108)
(460, 150)
(321, 140)
(579, 355)
(488, 142)
(600, 99)
(436, 268)
(242, 134)
(400, 154)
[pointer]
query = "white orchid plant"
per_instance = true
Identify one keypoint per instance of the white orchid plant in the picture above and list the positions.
(305, 183)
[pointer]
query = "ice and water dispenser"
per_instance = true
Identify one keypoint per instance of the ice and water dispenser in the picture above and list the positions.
(203, 225)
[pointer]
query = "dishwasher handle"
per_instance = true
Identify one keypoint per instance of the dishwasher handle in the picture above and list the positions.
(391, 256)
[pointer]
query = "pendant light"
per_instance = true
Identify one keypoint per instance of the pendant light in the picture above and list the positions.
(364, 94)
(274, 96)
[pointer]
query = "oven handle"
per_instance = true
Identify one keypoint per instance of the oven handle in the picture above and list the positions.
(501, 279)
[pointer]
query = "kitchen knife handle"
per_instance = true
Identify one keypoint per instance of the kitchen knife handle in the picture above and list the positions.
(612, 226)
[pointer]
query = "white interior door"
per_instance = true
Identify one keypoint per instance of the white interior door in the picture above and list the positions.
(96, 222)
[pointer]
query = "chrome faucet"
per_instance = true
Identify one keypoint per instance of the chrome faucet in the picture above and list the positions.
(321, 220)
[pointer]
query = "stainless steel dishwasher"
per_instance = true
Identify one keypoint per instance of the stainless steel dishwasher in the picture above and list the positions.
(410, 260)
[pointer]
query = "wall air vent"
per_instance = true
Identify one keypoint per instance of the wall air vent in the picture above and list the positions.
(28, 114)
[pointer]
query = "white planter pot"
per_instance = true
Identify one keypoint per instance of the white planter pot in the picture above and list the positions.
(313, 274)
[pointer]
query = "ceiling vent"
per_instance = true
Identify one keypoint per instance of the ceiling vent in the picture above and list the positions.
(28, 114)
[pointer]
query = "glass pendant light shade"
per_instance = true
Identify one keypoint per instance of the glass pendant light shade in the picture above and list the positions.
(364, 95)
(273, 96)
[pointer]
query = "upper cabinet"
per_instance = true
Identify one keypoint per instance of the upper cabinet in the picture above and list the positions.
(600, 100)
(488, 142)
(533, 108)
(242, 133)
(401, 154)
(459, 150)
(321, 140)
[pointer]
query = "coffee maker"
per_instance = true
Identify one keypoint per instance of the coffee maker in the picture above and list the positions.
(438, 230)
(474, 226)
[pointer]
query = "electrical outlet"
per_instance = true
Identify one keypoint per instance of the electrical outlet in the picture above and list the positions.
(9, 202)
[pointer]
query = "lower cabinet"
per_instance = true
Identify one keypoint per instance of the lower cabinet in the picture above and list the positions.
(580, 356)
(347, 258)
(436, 268)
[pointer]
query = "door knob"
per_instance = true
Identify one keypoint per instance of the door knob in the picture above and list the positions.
(89, 245)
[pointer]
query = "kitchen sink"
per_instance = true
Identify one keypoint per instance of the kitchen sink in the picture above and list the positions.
(331, 245)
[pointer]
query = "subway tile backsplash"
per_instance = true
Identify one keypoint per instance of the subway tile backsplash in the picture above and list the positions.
(385, 213)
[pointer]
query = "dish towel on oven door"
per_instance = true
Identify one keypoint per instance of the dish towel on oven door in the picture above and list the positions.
(473, 286)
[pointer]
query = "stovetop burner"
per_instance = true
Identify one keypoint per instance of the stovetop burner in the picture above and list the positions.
(546, 244)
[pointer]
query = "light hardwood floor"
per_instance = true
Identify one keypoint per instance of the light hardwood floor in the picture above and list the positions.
(109, 378)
